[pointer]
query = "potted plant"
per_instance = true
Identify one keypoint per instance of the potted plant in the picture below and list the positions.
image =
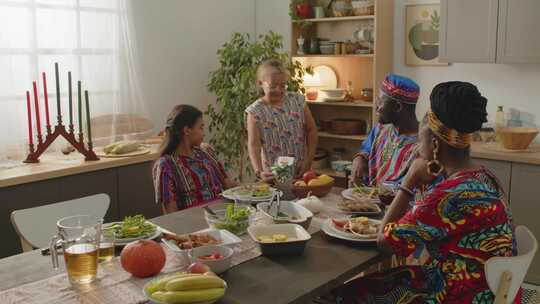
(299, 10)
(234, 85)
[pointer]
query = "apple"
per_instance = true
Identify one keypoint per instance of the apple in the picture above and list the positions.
(198, 268)
(309, 175)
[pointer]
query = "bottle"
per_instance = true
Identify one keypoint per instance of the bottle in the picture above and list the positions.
(499, 118)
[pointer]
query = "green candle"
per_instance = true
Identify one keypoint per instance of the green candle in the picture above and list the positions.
(80, 105)
(57, 90)
(88, 116)
(70, 100)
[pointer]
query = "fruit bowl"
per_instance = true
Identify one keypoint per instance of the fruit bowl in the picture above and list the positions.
(318, 191)
(516, 138)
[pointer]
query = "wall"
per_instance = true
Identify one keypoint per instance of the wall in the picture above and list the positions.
(177, 44)
(515, 86)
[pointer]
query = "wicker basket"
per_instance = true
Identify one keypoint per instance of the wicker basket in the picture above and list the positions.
(516, 138)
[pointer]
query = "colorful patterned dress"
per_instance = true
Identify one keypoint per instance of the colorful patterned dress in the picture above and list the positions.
(389, 154)
(462, 221)
(189, 181)
(282, 128)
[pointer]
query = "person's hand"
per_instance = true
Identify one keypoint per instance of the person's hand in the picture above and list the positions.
(359, 170)
(418, 174)
(267, 177)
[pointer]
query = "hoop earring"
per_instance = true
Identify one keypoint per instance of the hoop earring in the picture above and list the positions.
(434, 167)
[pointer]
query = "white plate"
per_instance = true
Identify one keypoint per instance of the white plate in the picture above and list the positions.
(124, 241)
(328, 228)
(229, 194)
(327, 75)
(348, 194)
(374, 213)
(224, 236)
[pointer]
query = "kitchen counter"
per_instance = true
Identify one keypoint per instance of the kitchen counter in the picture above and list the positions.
(494, 151)
(53, 165)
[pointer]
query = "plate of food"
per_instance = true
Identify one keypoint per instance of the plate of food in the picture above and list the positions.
(132, 228)
(355, 229)
(362, 194)
(206, 237)
(366, 208)
(251, 192)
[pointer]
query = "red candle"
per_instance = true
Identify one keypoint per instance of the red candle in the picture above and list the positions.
(46, 99)
(36, 102)
(30, 137)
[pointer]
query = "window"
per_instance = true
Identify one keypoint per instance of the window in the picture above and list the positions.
(86, 37)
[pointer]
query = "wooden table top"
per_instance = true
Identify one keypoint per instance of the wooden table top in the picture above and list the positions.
(325, 264)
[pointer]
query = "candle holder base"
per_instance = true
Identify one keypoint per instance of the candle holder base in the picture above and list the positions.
(60, 130)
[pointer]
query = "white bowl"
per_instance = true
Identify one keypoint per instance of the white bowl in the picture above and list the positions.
(217, 266)
(224, 237)
(301, 214)
(296, 243)
(334, 93)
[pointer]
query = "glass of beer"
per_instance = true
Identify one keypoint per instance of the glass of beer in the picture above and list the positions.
(79, 236)
(106, 246)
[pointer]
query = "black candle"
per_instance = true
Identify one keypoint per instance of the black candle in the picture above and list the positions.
(57, 90)
(70, 100)
(88, 117)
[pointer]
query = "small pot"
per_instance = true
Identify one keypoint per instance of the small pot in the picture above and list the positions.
(304, 10)
(348, 126)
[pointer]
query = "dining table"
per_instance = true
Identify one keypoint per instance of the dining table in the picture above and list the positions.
(325, 264)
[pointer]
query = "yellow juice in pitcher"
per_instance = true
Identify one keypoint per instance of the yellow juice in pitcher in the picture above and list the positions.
(81, 263)
(106, 251)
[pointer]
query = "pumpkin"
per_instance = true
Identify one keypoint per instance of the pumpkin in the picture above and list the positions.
(143, 258)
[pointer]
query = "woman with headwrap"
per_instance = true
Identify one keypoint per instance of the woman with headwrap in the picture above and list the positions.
(460, 216)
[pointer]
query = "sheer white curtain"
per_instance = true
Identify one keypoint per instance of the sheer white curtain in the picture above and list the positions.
(94, 39)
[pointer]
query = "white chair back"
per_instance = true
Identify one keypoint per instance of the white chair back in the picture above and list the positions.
(505, 275)
(36, 226)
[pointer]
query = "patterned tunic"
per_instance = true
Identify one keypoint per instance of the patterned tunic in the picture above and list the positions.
(390, 154)
(462, 222)
(188, 181)
(282, 128)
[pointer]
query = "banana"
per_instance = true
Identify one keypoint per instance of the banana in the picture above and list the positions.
(191, 296)
(125, 147)
(196, 282)
(108, 149)
(160, 284)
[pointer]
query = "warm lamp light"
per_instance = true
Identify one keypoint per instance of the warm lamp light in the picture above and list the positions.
(312, 82)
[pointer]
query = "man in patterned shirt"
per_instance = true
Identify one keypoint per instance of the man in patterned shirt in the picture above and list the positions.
(390, 148)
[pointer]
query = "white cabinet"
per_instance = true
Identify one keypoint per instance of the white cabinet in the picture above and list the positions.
(468, 31)
(518, 36)
(490, 31)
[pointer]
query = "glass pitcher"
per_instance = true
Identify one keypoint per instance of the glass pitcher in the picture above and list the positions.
(79, 237)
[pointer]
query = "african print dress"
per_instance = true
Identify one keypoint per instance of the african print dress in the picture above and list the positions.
(282, 128)
(189, 181)
(462, 222)
(389, 154)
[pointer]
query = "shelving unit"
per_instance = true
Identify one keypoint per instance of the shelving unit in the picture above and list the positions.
(362, 70)
(332, 19)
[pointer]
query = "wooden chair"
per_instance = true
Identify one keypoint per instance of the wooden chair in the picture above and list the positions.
(504, 275)
(36, 226)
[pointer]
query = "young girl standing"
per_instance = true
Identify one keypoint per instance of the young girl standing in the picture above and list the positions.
(279, 123)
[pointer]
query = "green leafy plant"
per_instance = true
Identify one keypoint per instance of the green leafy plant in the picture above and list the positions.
(435, 21)
(234, 85)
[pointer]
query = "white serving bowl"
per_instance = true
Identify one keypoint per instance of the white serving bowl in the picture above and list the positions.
(217, 266)
(334, 93)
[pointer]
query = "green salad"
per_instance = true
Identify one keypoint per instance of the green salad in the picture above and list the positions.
(236, 220)
(131, 227)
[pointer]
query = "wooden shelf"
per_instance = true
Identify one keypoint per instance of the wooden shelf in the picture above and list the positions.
(332, 55)
(333, 19)
(354, 104)
(330, 172)
(337, 136)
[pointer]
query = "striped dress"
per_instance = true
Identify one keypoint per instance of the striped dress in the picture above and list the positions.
(189, 181)
(282, 128)
(389, 154)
